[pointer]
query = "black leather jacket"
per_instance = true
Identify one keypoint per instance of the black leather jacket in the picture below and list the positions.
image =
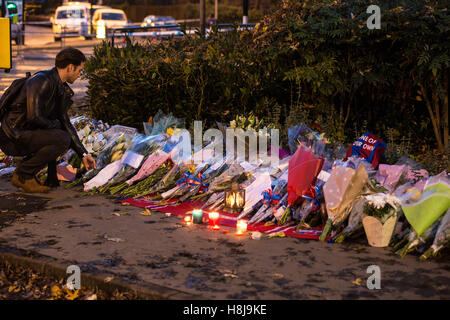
(42, 103)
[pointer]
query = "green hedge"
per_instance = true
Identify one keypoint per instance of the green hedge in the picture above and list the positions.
(312, 61)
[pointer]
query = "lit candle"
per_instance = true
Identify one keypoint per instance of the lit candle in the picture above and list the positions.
(214, 220)
(239, 200)
(231, 201)
(241, 227)
(188, 220)
(197, 215)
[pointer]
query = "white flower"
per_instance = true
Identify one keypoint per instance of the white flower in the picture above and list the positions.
(379, 200)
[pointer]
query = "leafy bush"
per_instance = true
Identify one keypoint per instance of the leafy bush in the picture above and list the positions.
(313, 61)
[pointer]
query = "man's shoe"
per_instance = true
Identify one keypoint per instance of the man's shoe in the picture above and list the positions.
(49, 182)
(29, 185)
(52, 176)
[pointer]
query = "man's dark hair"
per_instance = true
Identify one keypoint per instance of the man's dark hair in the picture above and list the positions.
(69, 56)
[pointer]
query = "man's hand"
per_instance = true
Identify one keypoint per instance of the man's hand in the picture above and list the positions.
(89, 162)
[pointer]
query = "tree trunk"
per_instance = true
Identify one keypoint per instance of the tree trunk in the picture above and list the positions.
(257, 4)
(349, 106)
(341, 108)
(445, 112)
(433, 118)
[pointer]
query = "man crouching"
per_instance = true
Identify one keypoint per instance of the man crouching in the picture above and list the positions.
(37, 127)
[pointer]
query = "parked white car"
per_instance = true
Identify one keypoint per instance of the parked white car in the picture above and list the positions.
(70, 20)
(112, 18)
(74, 19)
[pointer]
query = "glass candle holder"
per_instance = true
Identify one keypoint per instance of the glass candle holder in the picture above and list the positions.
(214, 220)
(197, 215)
(188, 220)
(241, 227)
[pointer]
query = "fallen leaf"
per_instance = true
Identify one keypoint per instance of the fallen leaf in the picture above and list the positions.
(277, 234)
(125, 204)
(70, 295)
(116, 214)
(13, 289)
(230, 275)
(357, 281)
(56, 291)
(146, 212)
(277, 275)
(125, 212)
(108, 279)
(93, 297)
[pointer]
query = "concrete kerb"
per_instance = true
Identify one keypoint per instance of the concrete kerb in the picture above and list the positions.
(50, 267)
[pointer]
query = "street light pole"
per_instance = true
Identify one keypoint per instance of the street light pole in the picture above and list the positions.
(245, 12)
(90, 19)
(203, 16)
(22, 36)
(216, 10)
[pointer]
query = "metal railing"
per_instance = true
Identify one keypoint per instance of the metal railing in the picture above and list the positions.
(159, 32)
(167, 30)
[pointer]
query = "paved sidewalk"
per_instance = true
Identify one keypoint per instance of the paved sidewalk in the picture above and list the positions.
(104, 237)
(74, 42)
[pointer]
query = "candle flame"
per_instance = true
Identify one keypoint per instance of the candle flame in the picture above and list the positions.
(239, 200)
(241, 227)
(231, 201)
(214, 215)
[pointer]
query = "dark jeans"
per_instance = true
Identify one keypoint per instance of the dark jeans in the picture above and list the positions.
(39, 147)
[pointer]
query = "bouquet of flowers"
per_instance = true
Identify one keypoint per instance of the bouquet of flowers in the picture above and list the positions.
(109, 163)
(354, 223)
(142, 146)
(381, 206)
(414, 240)
(113, 150)
(273, 199)
(302, 135)
(254, 192)
(441, 239)
(142, 187)
(380, 218)
(341, 191)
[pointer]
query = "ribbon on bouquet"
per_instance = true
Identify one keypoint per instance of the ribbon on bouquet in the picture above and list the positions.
(312, 194)
(194, 180)
(5, 161)
(271, 198)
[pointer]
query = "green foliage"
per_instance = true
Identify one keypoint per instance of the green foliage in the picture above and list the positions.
(383, 213)
(313, 61)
